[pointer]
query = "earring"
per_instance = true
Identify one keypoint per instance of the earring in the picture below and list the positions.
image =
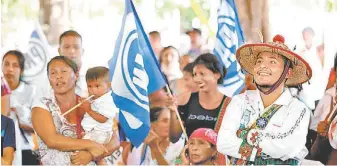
(20, 78)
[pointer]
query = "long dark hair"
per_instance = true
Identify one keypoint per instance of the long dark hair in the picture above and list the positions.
(212, 63)
(20, 57)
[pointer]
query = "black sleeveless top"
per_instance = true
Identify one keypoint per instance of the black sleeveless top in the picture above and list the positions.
(195, 116)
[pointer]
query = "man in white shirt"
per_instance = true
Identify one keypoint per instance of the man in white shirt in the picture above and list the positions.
(320, 71)
(267, 126)
(197, 47)
(70, 45)
(314, 90)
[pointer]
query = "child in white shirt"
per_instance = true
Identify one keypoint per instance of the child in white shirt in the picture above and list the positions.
(98, 121)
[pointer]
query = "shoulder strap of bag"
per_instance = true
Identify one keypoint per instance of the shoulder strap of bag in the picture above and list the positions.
(222, 114)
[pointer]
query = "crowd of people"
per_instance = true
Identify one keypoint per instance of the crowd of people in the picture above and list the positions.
(279, 118)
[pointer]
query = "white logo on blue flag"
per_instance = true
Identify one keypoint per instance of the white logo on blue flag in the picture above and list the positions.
(228, 38)
(134, 74)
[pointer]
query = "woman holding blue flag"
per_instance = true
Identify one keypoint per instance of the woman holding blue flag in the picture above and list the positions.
(202, 109)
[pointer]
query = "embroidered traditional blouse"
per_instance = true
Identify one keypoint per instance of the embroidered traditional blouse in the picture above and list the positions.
(284, 133)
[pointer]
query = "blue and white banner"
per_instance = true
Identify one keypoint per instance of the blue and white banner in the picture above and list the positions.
(36, 58)
(134, 73)
(228, 38)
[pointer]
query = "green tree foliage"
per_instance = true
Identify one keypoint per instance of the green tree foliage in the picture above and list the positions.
(187, 14)
(331, 5)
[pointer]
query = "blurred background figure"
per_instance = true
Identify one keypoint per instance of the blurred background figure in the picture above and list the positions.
(155, 41)
(169, 63)
(308, 35)
(184, 60)
(314, 90)
(320, 74)
(190, 85)
(196, 43)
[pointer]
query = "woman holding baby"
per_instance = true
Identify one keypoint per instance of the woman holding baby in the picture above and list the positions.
(59, 136)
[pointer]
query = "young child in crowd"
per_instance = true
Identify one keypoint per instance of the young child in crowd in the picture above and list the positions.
(98, 121)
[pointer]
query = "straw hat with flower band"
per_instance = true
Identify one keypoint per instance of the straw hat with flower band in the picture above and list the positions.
(301, 71)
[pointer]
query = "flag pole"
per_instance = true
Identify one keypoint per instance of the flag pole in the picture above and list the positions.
(64, 114)
(177, 113)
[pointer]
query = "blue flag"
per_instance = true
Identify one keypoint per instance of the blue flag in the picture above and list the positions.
(228, 38)
(134, 73)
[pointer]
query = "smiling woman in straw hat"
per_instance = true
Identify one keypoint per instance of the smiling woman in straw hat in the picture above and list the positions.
(267, 125)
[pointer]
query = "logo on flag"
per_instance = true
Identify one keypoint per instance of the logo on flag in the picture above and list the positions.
(36, 56)
(134, 74)
(228, 38)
